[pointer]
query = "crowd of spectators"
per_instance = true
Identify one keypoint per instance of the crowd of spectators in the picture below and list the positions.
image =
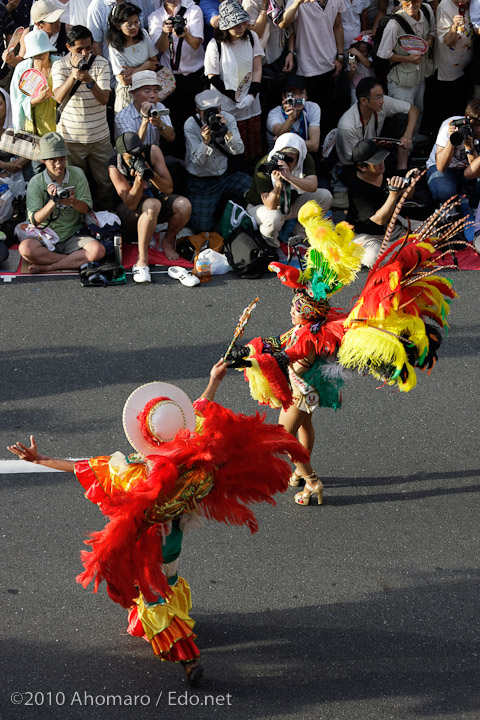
(260, 86)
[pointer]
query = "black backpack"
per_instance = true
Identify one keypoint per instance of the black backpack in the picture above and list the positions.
(247, 253)
(382, 67)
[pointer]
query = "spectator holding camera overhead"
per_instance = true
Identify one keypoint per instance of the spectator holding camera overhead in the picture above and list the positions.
(145, 116)
(130, 49)
(57, 201)
(296, 114)
(454, 163)
(176, 28)
(144, 185)
(372, 199)
(211, 137)
(283, 181)
(233, 64)
(81, 86)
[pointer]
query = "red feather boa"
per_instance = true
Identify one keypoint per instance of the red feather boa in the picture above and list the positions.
(243, 452)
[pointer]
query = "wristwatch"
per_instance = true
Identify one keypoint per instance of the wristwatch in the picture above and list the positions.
(468, 151)
(90, 85)
(339, 56)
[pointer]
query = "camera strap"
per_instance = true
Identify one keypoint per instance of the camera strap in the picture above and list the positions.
(175, 56)
(74, 89)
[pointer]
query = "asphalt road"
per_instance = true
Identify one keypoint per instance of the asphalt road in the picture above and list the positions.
(364, 609)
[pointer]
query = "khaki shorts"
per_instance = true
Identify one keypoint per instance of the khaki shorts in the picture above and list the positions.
(67, 247)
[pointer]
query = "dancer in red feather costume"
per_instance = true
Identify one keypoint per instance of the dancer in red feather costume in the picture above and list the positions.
(191, 461)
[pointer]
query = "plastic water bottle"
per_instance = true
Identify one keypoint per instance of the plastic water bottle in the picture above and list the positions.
(203, 269)
(6, 203)
(117, 248)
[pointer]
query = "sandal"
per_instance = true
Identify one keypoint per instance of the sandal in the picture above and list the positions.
(186, 278)
(295, 479)
(303, 498)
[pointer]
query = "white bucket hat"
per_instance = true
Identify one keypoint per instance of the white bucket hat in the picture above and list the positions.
(154, 413)
(36, 43)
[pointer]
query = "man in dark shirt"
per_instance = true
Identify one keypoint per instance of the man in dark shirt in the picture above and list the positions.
(372, 199)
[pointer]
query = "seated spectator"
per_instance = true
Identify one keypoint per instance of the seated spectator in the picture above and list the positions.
(372, 199)
(181, 51)
(97, 21)
(375, 115)
(46, 16)
(454, 163)
(406, 78)
(295, 115)
(83, 96)
(208, 150)
(146, 202)
(35, 114)
(276, 195)
(130, 49)
(64, 216)
(138, 117)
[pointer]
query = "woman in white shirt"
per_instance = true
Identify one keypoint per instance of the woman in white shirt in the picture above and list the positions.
(233, 63)
(130, 49)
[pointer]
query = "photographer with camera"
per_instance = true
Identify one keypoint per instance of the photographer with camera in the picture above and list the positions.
(296, 114)
(81, 86)
(211, 139)
(144, 185)
(145, 116)
(454, 163)
(57, 200)
(283, 181)
(176, 28)
(372, 199)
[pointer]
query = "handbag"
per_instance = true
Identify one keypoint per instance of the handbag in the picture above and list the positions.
(167, 81)
(235, 216)
(21, 143)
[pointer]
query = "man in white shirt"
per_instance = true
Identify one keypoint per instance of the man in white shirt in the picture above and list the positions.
(211, 137)
(375, 115)
(296, 114)
(455, 161)
(319, 49)
(145, 115)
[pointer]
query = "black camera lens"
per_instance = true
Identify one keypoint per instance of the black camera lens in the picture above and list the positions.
(63, 194)
(82, 65)
(139, 165)
(217, 128)
(153, 113)
(179, 24)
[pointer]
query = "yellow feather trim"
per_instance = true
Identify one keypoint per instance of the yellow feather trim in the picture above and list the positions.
(260, 388)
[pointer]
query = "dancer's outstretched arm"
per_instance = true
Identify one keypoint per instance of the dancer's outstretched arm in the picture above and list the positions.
(217, 373)
(31, 454)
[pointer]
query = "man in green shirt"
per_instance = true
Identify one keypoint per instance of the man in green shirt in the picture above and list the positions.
(57, 200)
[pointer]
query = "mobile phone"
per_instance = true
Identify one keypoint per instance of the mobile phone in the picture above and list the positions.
(461, 9)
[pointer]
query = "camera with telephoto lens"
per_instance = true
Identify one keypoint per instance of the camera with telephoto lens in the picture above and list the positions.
(464, 128)
(179, 24)
(293, 101)
(137, 163)
(82, 66)
(218, 129)
(273, 164)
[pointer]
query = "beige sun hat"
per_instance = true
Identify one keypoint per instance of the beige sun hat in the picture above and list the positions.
(154, 413)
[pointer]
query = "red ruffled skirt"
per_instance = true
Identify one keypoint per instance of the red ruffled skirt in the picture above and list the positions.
(167, 625)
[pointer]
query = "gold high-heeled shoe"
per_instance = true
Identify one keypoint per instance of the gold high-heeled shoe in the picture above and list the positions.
(303, 498)
(295, 479)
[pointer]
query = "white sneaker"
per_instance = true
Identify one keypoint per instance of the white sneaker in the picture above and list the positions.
(141, 274)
